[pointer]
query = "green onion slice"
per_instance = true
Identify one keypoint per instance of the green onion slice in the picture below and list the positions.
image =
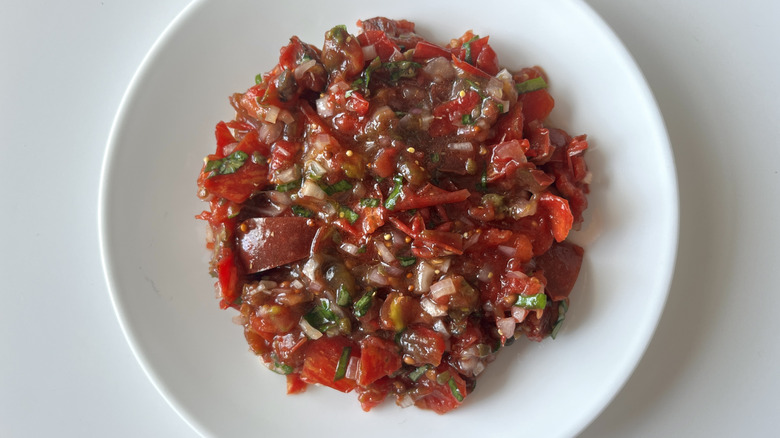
(341, 368)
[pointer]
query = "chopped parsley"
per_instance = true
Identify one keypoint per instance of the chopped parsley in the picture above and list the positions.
(348, 214)
(364, 303)
(395, 193)
(531, 85)
(286, 187)
(407, 261)
(532, 302)
(301, 211)
(369, 202)
(467, 47)
(321, 317)
(227, 165)
(341, 186)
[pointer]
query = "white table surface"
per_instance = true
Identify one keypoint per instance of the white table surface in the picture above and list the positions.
(711, 369)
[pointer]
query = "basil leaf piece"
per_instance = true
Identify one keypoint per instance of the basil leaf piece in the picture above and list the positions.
(531, 85)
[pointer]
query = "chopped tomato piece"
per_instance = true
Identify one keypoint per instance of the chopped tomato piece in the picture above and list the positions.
(322, 358)
(378, 358)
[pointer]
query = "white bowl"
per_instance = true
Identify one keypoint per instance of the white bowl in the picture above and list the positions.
(156, 264)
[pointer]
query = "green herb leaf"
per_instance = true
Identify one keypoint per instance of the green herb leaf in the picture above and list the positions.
(407, 261)
(341, 186)
(364, 303)
(258, 78)
(455, 391)
(301, 211)
(531, 85)
(563, 307)
(227, 165)
(401, 69)
(365, 77)
(532, 302)
(395, 193)
(348, 214)
(343, 297)
(288, 186)
(435, 157)
(341, 368)
(321, 317)
(282, 368)
(482, 184)
(419, 372)
(467, 46)
(369, 202)
(467, 119)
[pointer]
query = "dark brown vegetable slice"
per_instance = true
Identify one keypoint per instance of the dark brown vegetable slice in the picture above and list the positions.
(269, 242)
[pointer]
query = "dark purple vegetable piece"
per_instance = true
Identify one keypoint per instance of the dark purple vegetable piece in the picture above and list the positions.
(269, 242)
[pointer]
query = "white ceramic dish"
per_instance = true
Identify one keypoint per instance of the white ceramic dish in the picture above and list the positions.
(156, 264)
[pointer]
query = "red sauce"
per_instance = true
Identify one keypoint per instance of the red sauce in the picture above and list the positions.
(387, 214)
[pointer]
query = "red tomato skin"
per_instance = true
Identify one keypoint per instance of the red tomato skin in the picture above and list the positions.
(322, 357)
(378, 358)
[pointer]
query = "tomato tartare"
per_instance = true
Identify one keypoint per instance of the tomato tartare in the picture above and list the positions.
(386, 214)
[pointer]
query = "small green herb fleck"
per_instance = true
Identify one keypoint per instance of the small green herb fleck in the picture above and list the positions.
(321, 317)
(435, 157)
(341, 186)
(348, 214)
(227, 165)
(531, 85)
(343, 296)
(259, 78)
(467, 47)
(369, 202)
(563, 307)
(288, 186)
(401, 69)
(301, 211)
(282, 368)
(364, 303)
(395, 193)
(455, 391)
(418, 372)
(482, 184)
(407, 261)
(341, 368)
(532, 302)
(467, 119)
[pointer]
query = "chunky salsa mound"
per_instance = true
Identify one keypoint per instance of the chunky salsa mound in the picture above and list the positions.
(387, 214)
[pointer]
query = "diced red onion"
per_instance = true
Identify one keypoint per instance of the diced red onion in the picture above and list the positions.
(269, 132)
(392, 271)
(471, 241)
(228, 149)
(516, 274)
(405, 401)
(349, 248)
(297, 284)
(495, 88)
(303, 68)
(484, 273)
(311, 189)
(432, 308)
(288, 175)
(479, 368)
(277, 197)
(425, 121)
(440, 69)
(271, 113)
(352, 368)
(506, 326)
(310, 268)
(384, 252)
(445, 265)
(588, 178)
(461, 146)
(508, 251)
(286, 117)
(369, 52)
(440, 328)
(519, 313)
(240, 319)
(308, 330)
(324, 108)
(423, 278)
(376, 277)
(468, 364)
(504, 106)
(443, 288)
(317, 286)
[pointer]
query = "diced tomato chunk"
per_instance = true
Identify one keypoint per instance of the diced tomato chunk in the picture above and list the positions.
(422, 345)
(295, 385)
(378, 358)
(322, 359)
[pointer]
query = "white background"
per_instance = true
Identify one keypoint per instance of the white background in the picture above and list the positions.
(711, 369)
